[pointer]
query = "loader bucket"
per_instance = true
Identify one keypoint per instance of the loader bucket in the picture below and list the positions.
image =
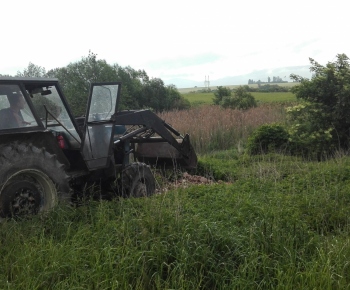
(164, 155)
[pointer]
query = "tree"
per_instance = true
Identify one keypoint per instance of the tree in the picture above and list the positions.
(154, 95)
(132, 86)
(241, 99)
(138, 90)
(32, 71)
(175, 100)
(220, 94)
(76, 78)
(327, 104)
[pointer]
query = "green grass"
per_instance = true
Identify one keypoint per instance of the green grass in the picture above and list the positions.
(199, 98)
(274, 97)
(197, 89)
(207, 98)
(274, 222)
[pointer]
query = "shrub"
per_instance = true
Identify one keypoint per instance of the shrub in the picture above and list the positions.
(325, 120)
(309, 135)
(181, 104)
(220, 94)
(241, 100)
(268, 138)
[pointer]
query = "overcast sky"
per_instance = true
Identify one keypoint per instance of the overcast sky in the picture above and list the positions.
(174, 39)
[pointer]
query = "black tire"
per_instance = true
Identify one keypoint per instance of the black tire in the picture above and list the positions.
(31, 180)
(137, 180)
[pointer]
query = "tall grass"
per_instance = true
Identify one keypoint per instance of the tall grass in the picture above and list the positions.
(214, 128)
(282, 224)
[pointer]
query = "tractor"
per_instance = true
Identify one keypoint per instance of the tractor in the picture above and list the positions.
(49, 156)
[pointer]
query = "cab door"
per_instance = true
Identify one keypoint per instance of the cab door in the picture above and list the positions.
(99, 128)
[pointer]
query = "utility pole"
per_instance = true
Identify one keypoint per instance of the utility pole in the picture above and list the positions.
(206, 82)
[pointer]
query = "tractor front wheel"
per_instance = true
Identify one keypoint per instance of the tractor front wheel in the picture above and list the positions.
(137, 180)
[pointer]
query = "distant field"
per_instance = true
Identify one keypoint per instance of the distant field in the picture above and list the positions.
(197, 89)
(207, 98)
(274, 97)
(199, 98)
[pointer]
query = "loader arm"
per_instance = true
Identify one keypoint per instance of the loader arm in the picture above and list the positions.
(151, 121)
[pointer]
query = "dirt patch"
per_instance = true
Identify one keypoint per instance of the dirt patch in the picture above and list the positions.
(187, 180)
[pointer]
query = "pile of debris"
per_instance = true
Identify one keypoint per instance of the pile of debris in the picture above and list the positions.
(194, 179)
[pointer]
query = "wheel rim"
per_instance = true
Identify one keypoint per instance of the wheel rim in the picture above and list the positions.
(140, 189)
(137, 180)
(30, 191)
(27, 198)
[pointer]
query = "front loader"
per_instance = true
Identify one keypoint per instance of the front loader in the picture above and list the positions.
(47, 155)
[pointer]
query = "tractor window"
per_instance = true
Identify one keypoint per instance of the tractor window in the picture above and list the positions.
(103, 102)
(51, 110)
(14, 110)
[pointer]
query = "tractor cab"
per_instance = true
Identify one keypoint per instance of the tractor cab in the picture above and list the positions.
(28, 105)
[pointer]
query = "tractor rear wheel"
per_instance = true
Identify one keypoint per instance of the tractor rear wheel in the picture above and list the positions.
(31, 180)
(137, 180)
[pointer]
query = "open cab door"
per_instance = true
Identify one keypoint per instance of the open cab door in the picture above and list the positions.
(99, 128)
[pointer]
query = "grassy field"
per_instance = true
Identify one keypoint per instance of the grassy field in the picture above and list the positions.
(273, 222)
(198, 89)
(207, 98)
(274, 97)
(199, 98)
(264, 222)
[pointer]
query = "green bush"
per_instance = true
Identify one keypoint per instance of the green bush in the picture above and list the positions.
(221, 93)
(322, 124)
(309, 134)
(241, 99)
(268, 138)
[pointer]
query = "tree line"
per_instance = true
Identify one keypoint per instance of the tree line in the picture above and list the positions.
(274, 80)
(139, 91)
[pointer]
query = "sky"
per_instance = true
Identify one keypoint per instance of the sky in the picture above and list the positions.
(184, 39)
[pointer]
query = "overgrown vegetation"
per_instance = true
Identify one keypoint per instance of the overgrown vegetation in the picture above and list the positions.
(275, 223)
(215, 128)
(319, 124)
(241, 98)
(322, 122)
(268, 138)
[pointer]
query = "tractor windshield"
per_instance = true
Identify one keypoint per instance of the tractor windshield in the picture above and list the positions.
(51, 110)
